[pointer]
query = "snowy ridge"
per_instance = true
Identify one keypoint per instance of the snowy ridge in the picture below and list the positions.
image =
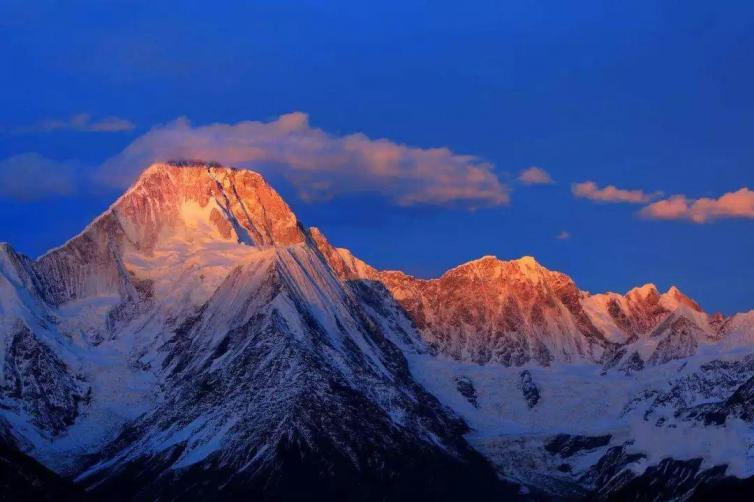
(625, 405)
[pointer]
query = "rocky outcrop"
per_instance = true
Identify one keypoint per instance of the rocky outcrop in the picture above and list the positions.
(36, 380)
(466, 388)
(529, 389)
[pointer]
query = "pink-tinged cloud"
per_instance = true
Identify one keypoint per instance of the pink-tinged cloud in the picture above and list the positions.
(82, 122)
(30, 176)
(611, 194)
(535, 176)
(738, 204)
(563, 235)
(319, 164)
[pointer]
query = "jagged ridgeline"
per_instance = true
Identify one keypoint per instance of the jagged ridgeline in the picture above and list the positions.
(196, 340)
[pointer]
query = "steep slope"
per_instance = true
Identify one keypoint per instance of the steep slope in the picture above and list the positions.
(37, 380)
(278, 378)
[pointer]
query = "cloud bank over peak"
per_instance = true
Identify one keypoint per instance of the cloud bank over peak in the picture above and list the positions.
(319, 164)
(611, 194)
(738, 204)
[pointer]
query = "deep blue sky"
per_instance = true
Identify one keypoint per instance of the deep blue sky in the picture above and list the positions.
(643, 95)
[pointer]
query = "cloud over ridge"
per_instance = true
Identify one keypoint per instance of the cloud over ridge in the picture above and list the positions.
(738, 204)
(319, 164)
(611, 194)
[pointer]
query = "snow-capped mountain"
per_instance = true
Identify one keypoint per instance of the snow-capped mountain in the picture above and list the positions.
(196, 339)
(515, 312)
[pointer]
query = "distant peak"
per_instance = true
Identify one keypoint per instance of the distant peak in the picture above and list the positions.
(524, 261)
(644, 291)
(527, 260)
(674, 291)
(484, 260)
(680, 298)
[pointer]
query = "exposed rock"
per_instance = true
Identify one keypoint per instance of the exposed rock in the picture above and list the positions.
(567, 445)
(466, 388)
(36, 379)
(632, 364)
(529, 389)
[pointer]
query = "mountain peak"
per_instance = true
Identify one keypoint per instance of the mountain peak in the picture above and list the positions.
(194, 166)
(524, 261)
(646, 291)
(528, 261)
(205, 199)
(175, 213)
(676, 296)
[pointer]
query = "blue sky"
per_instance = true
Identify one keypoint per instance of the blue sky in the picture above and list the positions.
(649, 96)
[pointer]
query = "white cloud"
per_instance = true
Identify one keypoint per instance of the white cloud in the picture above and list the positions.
(30, 176)
(535, 176)
(563, 235)
(82, 122)
(319, 164)
(611, 194)
(738, 204)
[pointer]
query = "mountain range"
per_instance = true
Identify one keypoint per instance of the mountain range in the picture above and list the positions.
(197, 340)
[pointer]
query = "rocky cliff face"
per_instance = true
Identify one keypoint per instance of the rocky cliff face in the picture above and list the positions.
(490, 310)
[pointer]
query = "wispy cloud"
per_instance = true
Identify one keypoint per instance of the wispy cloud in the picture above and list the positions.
(30, 176)
(563, 235)
(82, 122)
(611, 194)
(738, 204)
(535, 176)
(319, 164)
